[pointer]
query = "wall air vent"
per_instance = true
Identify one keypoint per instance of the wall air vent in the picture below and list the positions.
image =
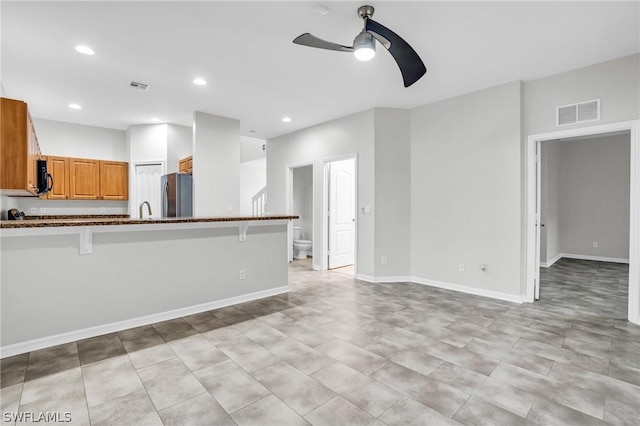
(139, 86)
(578, 113)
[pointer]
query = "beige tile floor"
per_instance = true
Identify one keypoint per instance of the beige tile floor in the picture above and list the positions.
(335, 351)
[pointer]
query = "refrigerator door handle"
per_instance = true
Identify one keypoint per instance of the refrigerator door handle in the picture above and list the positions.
(165, 199)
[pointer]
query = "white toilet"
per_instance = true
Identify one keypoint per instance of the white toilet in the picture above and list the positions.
(301, 248)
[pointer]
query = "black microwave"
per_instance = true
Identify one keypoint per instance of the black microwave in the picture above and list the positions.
(45, 180)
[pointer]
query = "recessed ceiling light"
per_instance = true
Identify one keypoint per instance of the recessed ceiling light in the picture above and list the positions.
(199, 81)
(156, 120)
(286, 119)
(85, 50)
(75, 106)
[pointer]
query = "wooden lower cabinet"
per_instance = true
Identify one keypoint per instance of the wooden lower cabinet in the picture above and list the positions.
(58, 168)
(84, 179)
(114, 180)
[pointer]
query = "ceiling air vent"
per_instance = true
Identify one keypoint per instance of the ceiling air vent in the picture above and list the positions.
(578, 113)
(139, 86)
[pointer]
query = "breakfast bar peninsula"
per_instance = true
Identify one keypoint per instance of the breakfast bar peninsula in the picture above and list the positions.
(68, 279)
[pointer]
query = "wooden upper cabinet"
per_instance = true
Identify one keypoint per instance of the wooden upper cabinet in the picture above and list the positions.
(58, 168)
(20, 150)
(182, 166)
(114, 180)
(185, 165)
(84, 179)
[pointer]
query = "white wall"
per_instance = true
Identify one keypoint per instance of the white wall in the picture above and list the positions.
(465, 198)
(179, 145)
(392, 192)
(147, 142)
(349, 135)
(7, 203)
(253, 177)
(216, 165)
(251, 149)
(303, 200)
(76, 140)
(594, 196)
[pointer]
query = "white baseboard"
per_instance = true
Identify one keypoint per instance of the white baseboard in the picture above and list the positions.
(596, 258)
(553, 260)
(72, 336)
(469, 290)
(370, 279)
(439, 284)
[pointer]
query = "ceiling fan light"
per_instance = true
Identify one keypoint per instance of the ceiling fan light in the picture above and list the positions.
(364, 46)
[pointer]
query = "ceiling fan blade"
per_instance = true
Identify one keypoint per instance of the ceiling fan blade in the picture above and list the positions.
(307, 39)
(411, 66)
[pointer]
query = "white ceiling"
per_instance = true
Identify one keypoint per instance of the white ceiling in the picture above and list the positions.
(257, 75)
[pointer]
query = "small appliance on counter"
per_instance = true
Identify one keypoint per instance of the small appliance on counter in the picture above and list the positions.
(15, 214)
(177, 195)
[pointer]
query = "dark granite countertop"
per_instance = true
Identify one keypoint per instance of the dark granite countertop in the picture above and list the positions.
(110, 220)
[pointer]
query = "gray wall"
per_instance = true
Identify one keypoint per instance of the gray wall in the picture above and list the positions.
(216, 165)
(465, 190)
(392, 192)
(594, 196)
(303, 200)
(616, 83)
(76, 140)
(69, 292)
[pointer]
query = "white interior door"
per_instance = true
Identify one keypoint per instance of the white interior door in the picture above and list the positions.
(538, 225)
(148, 189)
(342, 194)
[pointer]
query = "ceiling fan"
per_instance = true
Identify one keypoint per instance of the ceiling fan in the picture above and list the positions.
(411, 66)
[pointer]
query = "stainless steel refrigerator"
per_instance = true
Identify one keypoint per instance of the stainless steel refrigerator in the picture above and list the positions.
(177, 195)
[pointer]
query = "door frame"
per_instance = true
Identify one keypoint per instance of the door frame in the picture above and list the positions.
(289, 204)
(133, 198)
(324, 266)
(533, 193)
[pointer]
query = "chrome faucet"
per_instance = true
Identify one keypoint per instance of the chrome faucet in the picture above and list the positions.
(148, 208)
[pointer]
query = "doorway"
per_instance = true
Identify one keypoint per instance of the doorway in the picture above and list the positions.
(300, 202)
(147, 188)
(534, 219)
(341, 214)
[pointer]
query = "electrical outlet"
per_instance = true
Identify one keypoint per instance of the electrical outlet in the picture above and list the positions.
(383, 260)
(229, 209)
(32, 210)
(242, 274)
(461, 267)
(595, 244)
